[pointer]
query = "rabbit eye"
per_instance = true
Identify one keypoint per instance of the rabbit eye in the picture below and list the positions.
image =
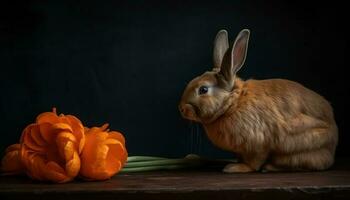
(203, 90)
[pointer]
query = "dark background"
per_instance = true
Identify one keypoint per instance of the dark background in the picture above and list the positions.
(128, 63)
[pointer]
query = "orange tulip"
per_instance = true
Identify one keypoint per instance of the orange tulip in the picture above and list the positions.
(57, 148)
(104, 153)
(50, 147)
(11, 162)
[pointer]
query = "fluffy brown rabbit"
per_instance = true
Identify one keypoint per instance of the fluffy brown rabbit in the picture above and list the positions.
(271, 125)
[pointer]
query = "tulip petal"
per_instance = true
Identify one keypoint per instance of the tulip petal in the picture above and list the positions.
(11, 162)
(81, 145)
(36, 167)
(24, 155)
(104, 153)
(25, 131)
(118, 136)
(31, 144)
(66, 136)
(47, 117)
(65, 145)
(113, 159)
(62, 127)
(113, 167)
(53, 175)
(118, 150)
(36, 136)
(112, 141)
(69, 151)
(55, 167)
(47, 132)
(101, 155)
(13, 147)
(76, 124)
(55, 172)
(73, 166)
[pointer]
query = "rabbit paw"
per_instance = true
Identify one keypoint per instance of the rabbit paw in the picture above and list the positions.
(237, 168)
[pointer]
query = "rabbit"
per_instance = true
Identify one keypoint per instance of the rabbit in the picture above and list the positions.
(271, 125)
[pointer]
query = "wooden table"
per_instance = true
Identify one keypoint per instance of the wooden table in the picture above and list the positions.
(203, 184)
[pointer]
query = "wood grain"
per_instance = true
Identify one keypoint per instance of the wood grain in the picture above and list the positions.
(203, 184)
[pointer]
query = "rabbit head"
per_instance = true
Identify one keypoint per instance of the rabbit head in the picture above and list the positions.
(209, 95)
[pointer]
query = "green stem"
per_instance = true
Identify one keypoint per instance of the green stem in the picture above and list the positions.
(156, 162)
(152, 163)
(144, 158)
(152, 168)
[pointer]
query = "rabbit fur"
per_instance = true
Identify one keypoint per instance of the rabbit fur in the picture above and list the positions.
(271, 125)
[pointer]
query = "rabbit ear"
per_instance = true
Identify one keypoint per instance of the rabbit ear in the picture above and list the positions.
(239, 50)
(234, 58)
(220, 47)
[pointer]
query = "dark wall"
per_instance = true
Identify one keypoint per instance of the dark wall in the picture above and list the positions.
(127, 63)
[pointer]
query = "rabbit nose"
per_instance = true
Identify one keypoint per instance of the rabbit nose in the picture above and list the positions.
(182, 108)
(185, 109)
